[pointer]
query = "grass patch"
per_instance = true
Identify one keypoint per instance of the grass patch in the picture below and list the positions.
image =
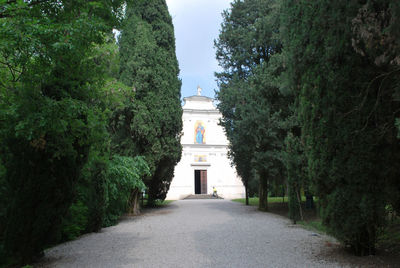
(315, 226)
(389, 239)
(158, 203)
(253, 201)
(163, 203)
(279, 206)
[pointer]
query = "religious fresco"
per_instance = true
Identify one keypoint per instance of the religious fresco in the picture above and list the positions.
(199, 133)
(200, 158)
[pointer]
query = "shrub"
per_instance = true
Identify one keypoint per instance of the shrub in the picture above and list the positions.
(124, 183)
(86, 214)
(75, 221)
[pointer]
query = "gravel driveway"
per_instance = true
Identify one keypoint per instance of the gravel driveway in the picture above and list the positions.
(202, 233)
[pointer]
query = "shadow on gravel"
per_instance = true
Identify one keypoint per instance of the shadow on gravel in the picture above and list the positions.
(239, 209)
(108, 248)
(336, 252)
(160, 210)
(242, 236)
(149, 211)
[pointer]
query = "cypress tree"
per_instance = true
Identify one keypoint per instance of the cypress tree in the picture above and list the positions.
(295, 166)
(346, 113)
(377, 38)
(251, 102)
(149, 65)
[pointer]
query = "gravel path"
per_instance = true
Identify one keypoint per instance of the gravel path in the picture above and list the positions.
(200, 233)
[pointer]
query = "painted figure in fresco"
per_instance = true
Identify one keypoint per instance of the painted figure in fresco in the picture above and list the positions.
(200, 134)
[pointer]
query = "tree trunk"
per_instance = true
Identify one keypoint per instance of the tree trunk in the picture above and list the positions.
(134, 202)
(246, 189)
(283, 194)
(263, 193)
(299, 201)
(151, 199)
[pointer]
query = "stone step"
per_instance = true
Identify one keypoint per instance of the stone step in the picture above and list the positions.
(202, 196)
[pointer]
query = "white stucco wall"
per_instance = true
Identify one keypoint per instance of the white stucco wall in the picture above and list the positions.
(219, 172)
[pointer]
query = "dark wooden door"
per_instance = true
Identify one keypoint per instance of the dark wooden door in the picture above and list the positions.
(203, 181)
(197, 182)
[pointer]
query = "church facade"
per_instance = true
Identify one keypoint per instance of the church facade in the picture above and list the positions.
(204, 163)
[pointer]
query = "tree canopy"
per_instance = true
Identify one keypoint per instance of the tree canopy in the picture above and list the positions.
(149, 65)
(84, 127)
(250, 98)
(309, 98)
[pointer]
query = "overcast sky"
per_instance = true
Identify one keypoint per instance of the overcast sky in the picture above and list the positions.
(197, 24)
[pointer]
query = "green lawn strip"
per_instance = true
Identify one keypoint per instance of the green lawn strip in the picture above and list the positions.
(158, 203)
(315, 226)
(389, 239)
(253, 201)
(164, 203)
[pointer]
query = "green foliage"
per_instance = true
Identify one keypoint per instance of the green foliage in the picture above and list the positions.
(398, 127)
(315, 226)
(3, 209)
(92, 187)
(253, 201)
(64, 114)
(389, 238)
(159, 203)
(295, 163)
(253, 107)
(3, 199)
(376, 35)
(87, 212)
(151, 125)
(92, 191)
(107, 57)
(346, 113)
(331, 91)
(48, 119)
(75, 222)
(377, 39)
(123, 178)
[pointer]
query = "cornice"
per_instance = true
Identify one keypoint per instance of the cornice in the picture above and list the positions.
(200, 164)
(193, 145)
(201, 111)
(196, 97)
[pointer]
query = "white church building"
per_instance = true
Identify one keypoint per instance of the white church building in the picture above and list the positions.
(204, 163)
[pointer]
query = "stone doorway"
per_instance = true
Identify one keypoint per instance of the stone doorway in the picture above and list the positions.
(200, 181)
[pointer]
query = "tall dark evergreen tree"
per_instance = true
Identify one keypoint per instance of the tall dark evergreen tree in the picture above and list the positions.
(241, 141)
(377, 37)
(347, 116)
(295, 164)
(251, 102)
(153, 123)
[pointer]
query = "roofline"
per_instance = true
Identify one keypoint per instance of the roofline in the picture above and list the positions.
(198, 97)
